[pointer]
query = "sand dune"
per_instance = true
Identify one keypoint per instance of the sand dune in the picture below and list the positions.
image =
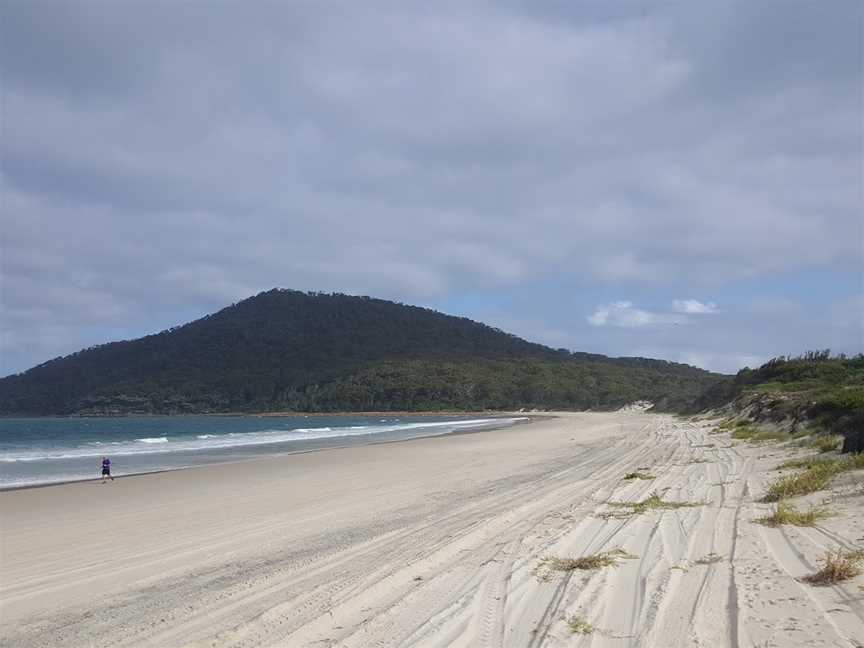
(433, 542)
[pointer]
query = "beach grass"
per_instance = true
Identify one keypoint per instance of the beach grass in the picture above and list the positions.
(591, 561)
(654, 502)
(754, 434)
(837, 566)
(787, 513)
(809, 481)
(817, 475)
(826, 443)
(638, 475)
(578, 625)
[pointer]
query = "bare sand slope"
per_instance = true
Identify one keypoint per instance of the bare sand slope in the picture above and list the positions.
(432, 542)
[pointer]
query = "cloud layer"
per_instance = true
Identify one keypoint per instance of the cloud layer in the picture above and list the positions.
(693, 307)
(623, 313)
(161, 160)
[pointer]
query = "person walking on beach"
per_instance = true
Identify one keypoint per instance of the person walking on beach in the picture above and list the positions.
(106, 469)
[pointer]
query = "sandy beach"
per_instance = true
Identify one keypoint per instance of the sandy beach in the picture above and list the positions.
(436, 542)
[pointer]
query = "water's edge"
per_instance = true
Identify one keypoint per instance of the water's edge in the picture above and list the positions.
(506, 421)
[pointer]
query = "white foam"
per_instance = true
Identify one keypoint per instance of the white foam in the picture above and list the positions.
(204, 442)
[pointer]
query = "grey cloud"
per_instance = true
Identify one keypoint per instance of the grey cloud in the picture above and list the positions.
(162, 159)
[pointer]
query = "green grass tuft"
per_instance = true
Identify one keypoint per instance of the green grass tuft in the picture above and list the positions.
(817, 474)
(654, 502)
(837, 566)
(592, 561)
(786, 513)
(806, 462)
(638, 475)
(826, 443)
(809, 481)
(579, 625)
(754, 434)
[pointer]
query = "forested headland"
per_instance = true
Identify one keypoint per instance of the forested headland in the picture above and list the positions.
(285, 350)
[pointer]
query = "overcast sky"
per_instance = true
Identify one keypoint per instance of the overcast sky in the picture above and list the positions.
(680, 180)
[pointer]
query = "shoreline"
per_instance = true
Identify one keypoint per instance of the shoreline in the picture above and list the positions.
(523, 419)
(423, 413)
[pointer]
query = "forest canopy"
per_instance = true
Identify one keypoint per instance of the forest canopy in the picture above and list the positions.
(285, 350)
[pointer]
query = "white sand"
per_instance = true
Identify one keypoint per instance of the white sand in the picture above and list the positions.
(432, 542)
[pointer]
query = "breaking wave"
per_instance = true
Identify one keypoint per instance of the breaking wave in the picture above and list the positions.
(204, 442)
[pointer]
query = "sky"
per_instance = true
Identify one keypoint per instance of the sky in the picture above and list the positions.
(679, 180)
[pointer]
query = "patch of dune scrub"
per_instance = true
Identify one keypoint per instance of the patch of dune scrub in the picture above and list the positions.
(786, 513)
(837, 566)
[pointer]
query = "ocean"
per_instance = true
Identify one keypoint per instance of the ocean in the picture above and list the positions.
(37, 451)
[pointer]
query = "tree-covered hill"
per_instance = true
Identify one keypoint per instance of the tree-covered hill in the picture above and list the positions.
(288, 350)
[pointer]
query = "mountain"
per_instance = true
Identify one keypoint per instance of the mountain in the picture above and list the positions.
(814, 392)
(286, 350)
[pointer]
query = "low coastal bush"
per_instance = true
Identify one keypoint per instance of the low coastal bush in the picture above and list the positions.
(837, 566)
(638, 475)
(786, 513)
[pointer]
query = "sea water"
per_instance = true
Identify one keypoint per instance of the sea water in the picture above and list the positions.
(37, 451)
